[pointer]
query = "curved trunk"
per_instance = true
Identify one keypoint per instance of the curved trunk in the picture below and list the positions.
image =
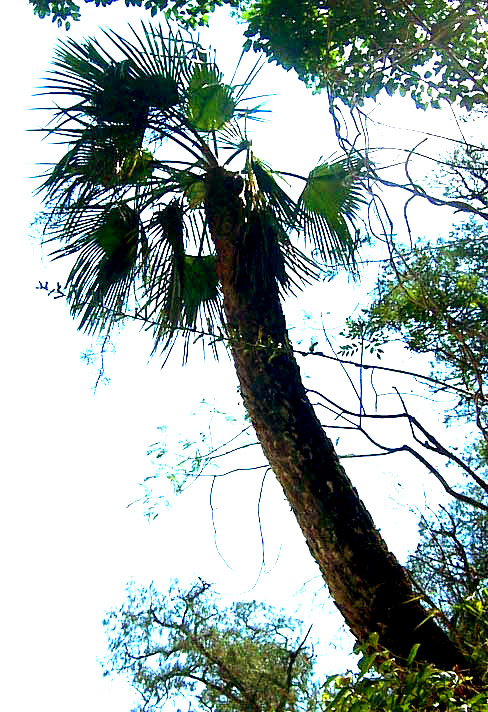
(367, 583)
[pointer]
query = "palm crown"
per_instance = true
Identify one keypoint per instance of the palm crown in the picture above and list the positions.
(128, 198)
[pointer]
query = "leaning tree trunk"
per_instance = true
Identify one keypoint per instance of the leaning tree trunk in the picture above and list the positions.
(367, 583)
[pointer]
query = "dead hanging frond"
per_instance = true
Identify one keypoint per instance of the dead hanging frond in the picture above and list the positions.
(183, 293)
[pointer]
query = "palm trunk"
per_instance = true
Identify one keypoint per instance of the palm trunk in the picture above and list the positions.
(367, 583)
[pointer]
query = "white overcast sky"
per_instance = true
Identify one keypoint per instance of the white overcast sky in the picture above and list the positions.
(71, 460)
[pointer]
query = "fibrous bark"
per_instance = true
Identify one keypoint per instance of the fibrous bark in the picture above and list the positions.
(367, 583)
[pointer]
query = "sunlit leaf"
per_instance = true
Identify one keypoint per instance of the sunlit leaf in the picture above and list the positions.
(136, 166)
(210, 102)
(331, 201)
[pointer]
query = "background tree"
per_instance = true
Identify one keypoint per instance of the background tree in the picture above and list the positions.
(184, 242)
(450, 570)
(244, 658)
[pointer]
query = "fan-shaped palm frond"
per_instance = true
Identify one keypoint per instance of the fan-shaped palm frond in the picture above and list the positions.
(329, 209)
(120, 91)
(210, 102)
(102, 159)
(111, 248)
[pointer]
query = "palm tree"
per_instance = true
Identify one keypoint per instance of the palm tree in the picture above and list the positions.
(173, 219)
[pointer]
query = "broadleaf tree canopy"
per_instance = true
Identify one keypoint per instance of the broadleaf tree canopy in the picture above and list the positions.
(432, 50)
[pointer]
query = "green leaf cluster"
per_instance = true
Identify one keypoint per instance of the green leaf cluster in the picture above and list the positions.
(470, 623)
(429, 49)
(190, 12)
(61, 11)
(383, 685)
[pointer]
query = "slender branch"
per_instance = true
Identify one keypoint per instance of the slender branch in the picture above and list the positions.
(224, 338)
(263, 562)
(436, 446)
(214, 528)
(343, 412)
(389, 369)
(289, 672)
